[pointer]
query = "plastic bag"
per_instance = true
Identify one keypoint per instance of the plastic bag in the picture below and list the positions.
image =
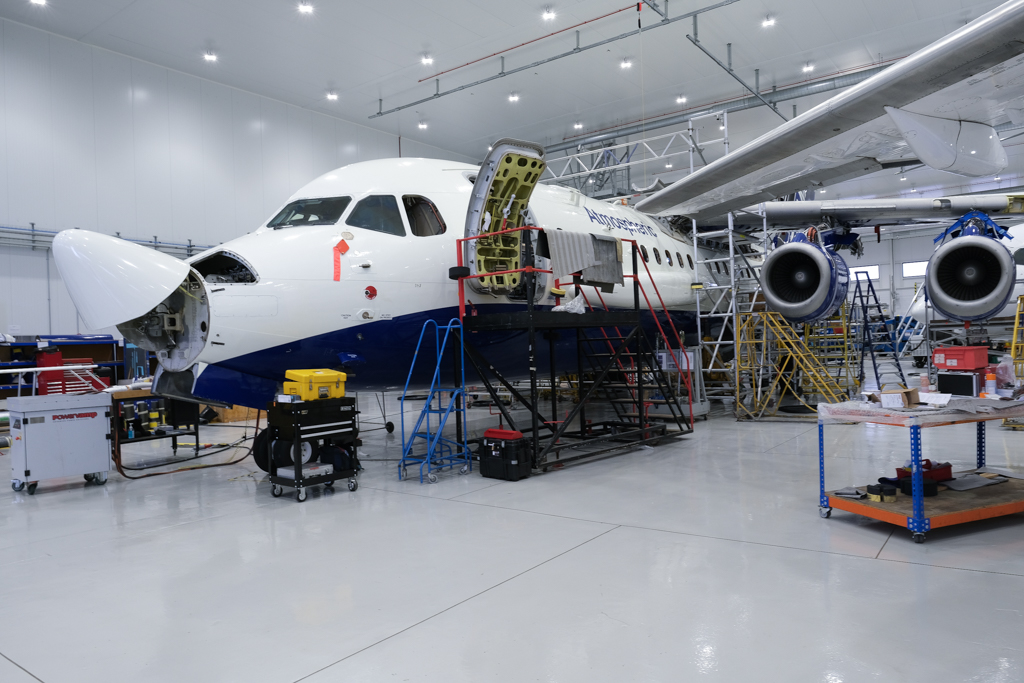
(577, 305)
(1006, 376)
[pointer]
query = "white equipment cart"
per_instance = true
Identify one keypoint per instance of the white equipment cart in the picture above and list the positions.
(60, 435)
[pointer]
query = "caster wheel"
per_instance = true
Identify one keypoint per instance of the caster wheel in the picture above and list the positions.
(33, 485)
(825, 512)
(464, 470)
(90, 477)
(329, 485)
(301, 495)
(918, 538)
(276, 491)
(432, 478)
(17, 485)
(100, 478)
(390, 427)
(353, 484)
(405, 473)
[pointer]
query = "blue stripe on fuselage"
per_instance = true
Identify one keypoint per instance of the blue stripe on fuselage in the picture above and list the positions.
(376, 356)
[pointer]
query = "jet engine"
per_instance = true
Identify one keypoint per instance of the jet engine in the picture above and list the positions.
(804, 281)
(970, 277)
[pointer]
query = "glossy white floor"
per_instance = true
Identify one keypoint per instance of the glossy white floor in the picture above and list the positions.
(701, 560)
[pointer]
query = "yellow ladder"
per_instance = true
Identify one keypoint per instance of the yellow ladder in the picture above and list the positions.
(1017, 350)
(769, 353)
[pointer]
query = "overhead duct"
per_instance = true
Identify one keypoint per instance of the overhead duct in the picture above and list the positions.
(804, 281)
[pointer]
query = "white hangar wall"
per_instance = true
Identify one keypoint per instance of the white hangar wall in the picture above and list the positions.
(97, 140)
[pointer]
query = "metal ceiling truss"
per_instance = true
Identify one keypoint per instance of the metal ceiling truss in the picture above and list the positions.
(665, 21)
(31, 238)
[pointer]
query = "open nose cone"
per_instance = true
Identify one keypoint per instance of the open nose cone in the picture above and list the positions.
(112, 281)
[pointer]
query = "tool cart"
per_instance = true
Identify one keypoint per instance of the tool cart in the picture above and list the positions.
(324, 429)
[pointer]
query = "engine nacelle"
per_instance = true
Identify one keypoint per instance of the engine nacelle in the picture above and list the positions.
(970, 277)
(804, 281)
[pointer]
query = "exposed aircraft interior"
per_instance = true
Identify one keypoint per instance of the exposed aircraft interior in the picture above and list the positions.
(462, 341)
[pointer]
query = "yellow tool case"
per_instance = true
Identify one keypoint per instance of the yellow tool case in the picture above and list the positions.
(310, 385)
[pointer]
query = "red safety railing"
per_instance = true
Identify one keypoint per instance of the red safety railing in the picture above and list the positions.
(458, 244)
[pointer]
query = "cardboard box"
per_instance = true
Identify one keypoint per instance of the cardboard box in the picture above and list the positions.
(897, 398)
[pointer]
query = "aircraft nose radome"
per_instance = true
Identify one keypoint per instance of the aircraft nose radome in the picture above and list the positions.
(113, 281)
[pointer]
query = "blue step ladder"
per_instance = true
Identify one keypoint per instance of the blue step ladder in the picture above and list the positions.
(441, 452)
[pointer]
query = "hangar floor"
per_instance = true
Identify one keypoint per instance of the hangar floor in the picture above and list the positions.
(703, 559)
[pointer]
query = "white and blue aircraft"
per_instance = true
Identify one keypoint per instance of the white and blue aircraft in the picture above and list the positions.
(343, 275)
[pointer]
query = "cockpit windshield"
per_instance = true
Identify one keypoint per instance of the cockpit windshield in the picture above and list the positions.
(324, 211)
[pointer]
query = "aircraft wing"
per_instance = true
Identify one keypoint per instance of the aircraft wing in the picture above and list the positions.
(937, 106)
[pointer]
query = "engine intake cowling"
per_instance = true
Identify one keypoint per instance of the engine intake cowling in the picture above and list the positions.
(970, 278)
(804, 281)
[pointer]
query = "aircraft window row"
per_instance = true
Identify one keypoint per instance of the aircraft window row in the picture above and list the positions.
(668, 258)
(325, 211)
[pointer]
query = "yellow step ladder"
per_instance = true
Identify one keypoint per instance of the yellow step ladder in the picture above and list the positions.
(769, 354)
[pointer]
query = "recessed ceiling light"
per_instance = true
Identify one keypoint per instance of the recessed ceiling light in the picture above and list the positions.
(680, 100)
(913, 189)
(808, 67)
(332, 95)
(823, 191)
(548, 15)
(668, 165)
(973, 151)
(305, 8)
(997, 179)
(721, 128)
(591, 181)
(426, 59)
(489, 148)
(513, 97)
(39, 2)
(210, 57)
(625, 64)
(769, 20)
(903, 177)
(423, 125)
(577, 125)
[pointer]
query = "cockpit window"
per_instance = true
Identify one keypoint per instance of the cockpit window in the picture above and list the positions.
(424, 218)
(378, 213)
(325, 211)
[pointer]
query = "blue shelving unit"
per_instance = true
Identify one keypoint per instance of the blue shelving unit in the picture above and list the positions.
(64, 342)
(441, 453)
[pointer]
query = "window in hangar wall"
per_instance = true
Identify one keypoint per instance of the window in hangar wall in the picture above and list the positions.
(872, 272)
(912, 269)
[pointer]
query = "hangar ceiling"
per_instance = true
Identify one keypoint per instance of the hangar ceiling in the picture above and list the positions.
(365, 52)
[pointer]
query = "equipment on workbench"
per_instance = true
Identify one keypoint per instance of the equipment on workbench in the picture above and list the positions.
(312, 385)
(59, 435)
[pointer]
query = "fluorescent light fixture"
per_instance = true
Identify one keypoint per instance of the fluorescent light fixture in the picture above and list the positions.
(332, 96)
(769, 20)
(668, 165)
(721, 128)
(823, 191)
(913, 189)
(210, 57)
(39, 2)
(625, 64)
(808, 67)
(426, 60)
(973, 151)
(423, 125)
(903, 177)
(997, 179)
(513, 97)
(305, 8)
(577, 125)
(549, 14)
(680, 100)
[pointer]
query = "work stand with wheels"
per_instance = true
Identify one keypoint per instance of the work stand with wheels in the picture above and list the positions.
(946, 509)
(305, 429)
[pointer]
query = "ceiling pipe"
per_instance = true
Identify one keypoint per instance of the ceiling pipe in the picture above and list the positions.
(791, 93)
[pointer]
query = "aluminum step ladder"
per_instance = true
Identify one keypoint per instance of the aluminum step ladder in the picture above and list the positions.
(879, 346)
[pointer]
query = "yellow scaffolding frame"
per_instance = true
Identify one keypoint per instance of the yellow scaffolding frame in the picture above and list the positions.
(769, 353)
(828, 340)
